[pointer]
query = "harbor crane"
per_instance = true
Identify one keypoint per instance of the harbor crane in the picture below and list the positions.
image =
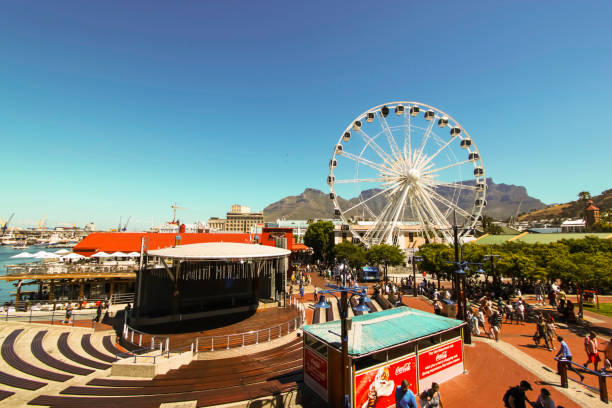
(42, 222)
(6, 223)
(175, 207)
(124, 228)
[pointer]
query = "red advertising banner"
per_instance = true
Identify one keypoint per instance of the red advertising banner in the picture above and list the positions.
(315, 369)
(376, 387)
(439, 358)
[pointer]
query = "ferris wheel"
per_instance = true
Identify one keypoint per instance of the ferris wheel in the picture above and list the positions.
(406, 165)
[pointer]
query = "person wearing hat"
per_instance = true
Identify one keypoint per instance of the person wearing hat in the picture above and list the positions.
(404, 398)
(515, 397)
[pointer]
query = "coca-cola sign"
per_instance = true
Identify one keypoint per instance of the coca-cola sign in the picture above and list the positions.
(436, 359)
(375, 387)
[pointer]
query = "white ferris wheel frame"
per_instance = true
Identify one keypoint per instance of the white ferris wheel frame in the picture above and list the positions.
(393, 175)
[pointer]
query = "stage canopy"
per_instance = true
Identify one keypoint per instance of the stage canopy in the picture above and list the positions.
(220, 250)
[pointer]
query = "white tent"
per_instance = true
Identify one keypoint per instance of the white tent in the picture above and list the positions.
(22, 255)
(62, 251)
(74, 256)
(39, 253)
(45, 255)
(133, 254)
(101, 254)
(119, 254)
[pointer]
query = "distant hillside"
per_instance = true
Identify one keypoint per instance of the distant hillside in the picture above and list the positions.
(573, 209)
(502, 202)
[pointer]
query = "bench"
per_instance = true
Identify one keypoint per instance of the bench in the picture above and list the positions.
(110, 347)
(329, 313)
(383, 302)
(316, 315)
(204, 398)
(92, 351)
(39, 352)
(18, 382)
(5, 394)
(64, 348)
(10, 356)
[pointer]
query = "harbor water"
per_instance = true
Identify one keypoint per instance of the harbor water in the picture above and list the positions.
(6, 288)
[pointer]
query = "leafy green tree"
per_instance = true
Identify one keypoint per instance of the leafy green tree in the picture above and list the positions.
(436, 258)
(320, 237)
(488, 227)
(355, 255)
(601, 226)
(584, 196)
(378, 254)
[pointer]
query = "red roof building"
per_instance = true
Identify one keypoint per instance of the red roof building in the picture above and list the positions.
(130, 241)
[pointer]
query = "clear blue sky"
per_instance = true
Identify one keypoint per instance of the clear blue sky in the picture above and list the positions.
(118, 108)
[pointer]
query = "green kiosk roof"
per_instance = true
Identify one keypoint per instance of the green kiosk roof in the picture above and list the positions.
(380, 330)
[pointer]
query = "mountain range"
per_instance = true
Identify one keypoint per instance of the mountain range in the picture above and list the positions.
(503, 201)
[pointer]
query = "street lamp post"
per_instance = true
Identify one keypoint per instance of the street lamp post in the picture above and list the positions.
(344, 304)
(496, 281)
(415, 259)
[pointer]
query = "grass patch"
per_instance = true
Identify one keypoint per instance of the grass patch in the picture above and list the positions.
(604, 309)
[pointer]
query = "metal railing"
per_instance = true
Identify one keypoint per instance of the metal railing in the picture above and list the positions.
(122, 298)
(149, 341)
(58, 317)
(225, 342)
(153, 357)
(53, 268)
(145, 340)
(602, 375)
(49, 305)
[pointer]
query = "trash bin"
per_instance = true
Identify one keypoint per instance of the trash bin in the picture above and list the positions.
(449, 308)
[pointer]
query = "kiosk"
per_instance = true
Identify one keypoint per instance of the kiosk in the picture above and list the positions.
(384, 348)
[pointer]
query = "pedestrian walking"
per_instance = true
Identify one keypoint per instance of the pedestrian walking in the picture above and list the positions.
(481, 321)
(431, 398)
(69, 310)
(519, 308)
(542, 333)
(591, 347)
(302, 291)
(544, 400)
(564, 353)
(404, 397)
(495, 321)
(608, 356)
(515, 396)
(315, 295)
(98, 312)
(437, 307)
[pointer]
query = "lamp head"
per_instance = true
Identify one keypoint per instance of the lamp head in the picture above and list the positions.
(362, 307)
(364, 296)
(322, 304)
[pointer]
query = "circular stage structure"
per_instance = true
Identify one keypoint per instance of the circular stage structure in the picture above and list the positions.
(209, 280)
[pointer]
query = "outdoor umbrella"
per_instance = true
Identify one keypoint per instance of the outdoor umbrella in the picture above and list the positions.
(101, 254)
(62, 251)
(45, 255)
(22, 255)
(119, 254)
(74, 256)
(131, 254)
